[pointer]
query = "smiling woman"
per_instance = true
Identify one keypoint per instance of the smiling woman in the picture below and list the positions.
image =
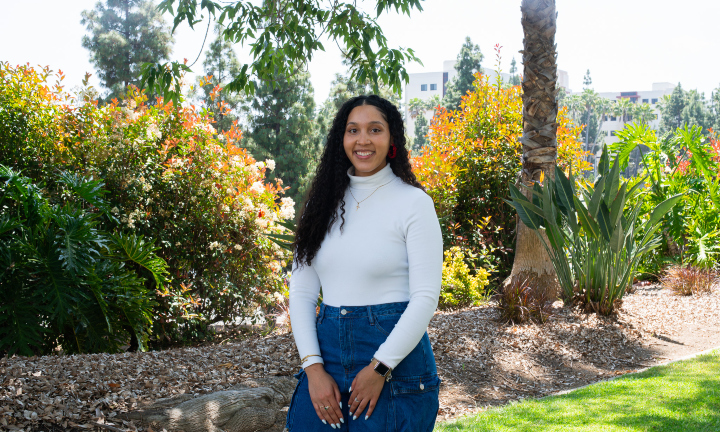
(367, 140)
(380, 269)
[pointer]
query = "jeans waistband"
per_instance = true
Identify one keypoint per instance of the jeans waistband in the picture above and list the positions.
(350, 312)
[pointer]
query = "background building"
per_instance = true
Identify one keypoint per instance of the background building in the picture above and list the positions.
(612, 124)
(425, 85)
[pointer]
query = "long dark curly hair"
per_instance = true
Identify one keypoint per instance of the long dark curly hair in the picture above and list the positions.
(325, 202)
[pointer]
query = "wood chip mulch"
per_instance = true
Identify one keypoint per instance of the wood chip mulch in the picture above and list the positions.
(482, 361)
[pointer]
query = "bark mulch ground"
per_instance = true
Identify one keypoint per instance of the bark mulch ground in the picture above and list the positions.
(482, 361)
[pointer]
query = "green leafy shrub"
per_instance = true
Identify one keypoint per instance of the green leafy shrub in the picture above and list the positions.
(520, 302)
(685, 162)
(459, 287)
(591, 233)
(64, 280)
(689, 280)
(170, 178)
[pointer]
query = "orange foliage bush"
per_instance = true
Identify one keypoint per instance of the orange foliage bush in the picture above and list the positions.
(473, 155)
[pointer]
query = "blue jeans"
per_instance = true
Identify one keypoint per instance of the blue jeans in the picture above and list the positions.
(349, 336)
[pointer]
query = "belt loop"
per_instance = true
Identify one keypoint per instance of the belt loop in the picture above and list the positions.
(370, 315)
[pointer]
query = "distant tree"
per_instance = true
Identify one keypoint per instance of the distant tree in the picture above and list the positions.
(671, 109)
(696, 111)
(421, 131)
(282, 128)
(514, 78)
(643, 113)
(124, 34)
(715, 109)
(587, 80)
(681, 108)
(623, 110)
(469, 61)
(222, 65)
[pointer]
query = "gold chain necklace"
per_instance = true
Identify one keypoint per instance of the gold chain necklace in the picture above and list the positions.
(358, 202)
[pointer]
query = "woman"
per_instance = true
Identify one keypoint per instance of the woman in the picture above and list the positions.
(370, 237)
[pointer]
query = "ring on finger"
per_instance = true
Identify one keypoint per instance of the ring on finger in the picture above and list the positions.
(357, 400)
(326, 407)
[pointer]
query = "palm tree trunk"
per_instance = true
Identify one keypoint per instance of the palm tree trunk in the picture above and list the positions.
(539, 139)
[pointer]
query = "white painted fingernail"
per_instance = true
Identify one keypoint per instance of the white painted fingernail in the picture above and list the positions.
(338, 425)
(354, 417)
(324, 422)
(340, 405)
(350, 389)
(333, 425)
(366, 417)
(342, 420)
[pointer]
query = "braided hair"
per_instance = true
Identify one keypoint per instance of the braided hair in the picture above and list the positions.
(325, 203)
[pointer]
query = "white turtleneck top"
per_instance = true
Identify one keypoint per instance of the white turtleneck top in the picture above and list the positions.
(390, 250)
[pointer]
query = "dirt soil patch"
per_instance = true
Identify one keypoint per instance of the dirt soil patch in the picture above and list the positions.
(481, 360)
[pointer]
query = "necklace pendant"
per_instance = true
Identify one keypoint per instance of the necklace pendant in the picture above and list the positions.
(357, 207)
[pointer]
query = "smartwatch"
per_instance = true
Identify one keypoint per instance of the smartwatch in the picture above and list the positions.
(382, 369)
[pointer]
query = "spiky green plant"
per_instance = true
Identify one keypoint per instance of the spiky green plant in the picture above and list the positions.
(595, 241)
(65, 282)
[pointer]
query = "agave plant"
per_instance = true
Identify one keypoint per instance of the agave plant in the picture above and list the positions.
(64, 281)
(595, 241)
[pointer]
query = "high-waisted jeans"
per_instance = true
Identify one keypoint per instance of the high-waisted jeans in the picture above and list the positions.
(349, 336)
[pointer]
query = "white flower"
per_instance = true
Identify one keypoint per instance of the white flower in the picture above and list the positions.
(225, 208)
(153, 132)
(257, 187)
(275, 266)
(177, 244)
(237, 247)
(214, 245)
(260, 165)
(287, 209)
(270, 164)
(114, 210)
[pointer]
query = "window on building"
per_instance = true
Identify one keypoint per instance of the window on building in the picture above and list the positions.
(645, 101)
(612, 133)
(433, 86)
(613, 118)
(654, 100)
(423, 87)
(605, 118)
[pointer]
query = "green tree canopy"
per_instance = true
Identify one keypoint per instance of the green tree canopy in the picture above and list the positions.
(123, 35)
(282, 128)
(421, 131)
(284, 33)
(685, 108)
(514, 78)
(469, 61)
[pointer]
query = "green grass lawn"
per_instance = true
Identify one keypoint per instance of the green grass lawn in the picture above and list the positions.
(684, 396)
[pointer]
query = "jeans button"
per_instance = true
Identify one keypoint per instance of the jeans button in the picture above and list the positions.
(343, 311)
(422, 386)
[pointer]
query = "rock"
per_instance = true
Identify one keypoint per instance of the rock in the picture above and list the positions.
(253, 405)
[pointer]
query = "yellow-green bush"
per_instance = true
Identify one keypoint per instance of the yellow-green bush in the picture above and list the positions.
(459, 287)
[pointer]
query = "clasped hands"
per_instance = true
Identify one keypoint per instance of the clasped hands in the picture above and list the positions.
(364, 393)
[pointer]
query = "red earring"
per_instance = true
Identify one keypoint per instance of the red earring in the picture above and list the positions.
(393, 151)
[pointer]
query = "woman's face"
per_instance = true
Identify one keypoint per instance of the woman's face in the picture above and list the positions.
(366, 140)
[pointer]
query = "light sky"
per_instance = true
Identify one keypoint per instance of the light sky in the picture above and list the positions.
(626, 44)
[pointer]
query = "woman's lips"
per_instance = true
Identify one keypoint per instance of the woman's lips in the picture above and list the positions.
(364, 154)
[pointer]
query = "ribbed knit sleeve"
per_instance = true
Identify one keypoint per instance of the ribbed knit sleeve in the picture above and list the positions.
(425, 257)
(304, 291)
